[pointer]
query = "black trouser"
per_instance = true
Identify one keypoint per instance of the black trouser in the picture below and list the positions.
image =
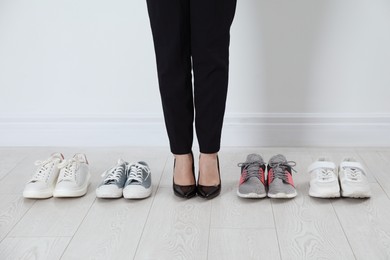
(197, 29)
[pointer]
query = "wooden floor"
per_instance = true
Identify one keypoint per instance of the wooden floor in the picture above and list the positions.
(166, 227)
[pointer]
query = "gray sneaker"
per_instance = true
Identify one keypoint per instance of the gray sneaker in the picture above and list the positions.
(114, 181)
(252, 181)
(280, 181)
(139, 181)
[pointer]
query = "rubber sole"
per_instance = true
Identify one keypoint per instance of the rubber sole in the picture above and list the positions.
(356, 194)
(107, 192)
(355, 191)
(324, 195)
(38, 194)
(72, 193)
(282, 195)
(136, 192)
(251, 195)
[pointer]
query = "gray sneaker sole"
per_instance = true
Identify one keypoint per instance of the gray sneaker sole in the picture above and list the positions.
(109, 192)
(282, 195)
(251, 195)
(136, 192)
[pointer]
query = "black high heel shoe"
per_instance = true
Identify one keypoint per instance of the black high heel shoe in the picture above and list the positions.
(210, 192)
(184, 191)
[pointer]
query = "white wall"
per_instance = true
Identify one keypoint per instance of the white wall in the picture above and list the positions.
(83, 73)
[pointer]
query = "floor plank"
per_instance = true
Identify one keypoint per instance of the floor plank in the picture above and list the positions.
(12, 209)
(53, 217)
(230, 211)
(250, 243)
(9, 159)
(117, 226)
(366, 224)
(176, 228)
(378, 164)
(49, 248)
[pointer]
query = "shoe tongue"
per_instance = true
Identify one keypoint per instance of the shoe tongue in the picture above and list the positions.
(121, 161)
(278, 159)
(254, 158)
(142, 163)
(58, 155)
(133, 181)
(80, 157)
(110, 182)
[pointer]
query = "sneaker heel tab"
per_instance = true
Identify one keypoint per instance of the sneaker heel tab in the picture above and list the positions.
(58, 155)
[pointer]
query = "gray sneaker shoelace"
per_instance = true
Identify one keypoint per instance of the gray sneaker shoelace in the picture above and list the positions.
(113, 175)
(280, 168)
(252, 169)
(135, 172)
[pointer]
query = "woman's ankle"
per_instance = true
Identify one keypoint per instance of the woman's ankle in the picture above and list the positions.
(183, 169)
(208, 169)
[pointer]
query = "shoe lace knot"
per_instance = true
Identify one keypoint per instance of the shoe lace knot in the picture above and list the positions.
(135, 172)
(252, 169)
(279, 169)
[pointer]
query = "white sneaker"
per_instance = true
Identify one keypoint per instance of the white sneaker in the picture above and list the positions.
(74, 177)
(353, 179)
(43, 181)
(323, 179)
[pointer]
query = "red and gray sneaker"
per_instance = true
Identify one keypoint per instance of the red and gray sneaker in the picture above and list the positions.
(252, 181)
(280, 181)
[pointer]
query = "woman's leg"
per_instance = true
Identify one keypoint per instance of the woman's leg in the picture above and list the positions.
(210, 38)
(170, 22)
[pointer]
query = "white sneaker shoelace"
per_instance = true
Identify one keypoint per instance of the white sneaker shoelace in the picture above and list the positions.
(41, 174)
(70, 167)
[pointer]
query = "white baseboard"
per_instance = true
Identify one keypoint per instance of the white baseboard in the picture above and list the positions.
(346, 130)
